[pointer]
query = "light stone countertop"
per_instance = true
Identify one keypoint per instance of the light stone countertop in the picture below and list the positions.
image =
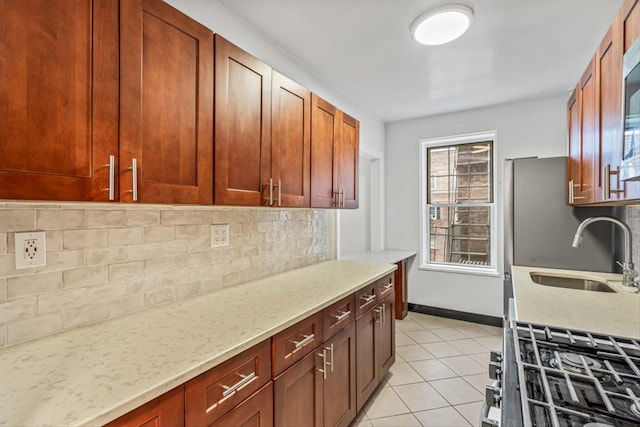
(94, 374)
(605, 312)
(387, 256)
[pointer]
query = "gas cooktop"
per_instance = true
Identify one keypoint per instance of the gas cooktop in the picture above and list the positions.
(575, 378)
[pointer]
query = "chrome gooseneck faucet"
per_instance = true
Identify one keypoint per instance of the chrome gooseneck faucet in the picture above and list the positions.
(628, 273)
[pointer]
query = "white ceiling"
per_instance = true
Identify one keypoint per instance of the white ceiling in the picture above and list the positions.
(515, 49)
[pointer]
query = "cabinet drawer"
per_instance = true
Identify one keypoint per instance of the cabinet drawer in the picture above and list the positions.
(256, 410)
(295, 342)
(366, 298)
(165, 410)
(385, 287)
(338, 315)
(214, 393)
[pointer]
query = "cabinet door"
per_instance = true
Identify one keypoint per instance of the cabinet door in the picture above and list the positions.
(255, 411)
(609, 79)
(242, 126)
(290, 142)
(349, 159)
(59, 88)
(386, 340)
(166, 105)
(340, 384)
(367, 350)
(165, 410)
(589, 159)
(631, 22)
(297, 396)
(575, 150)
(325, 131)
(401, 290)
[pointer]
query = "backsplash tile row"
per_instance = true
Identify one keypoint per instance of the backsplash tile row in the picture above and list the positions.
(105, 261)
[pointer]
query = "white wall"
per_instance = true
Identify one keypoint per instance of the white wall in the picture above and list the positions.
(228, 24)
(528, 128)
(355, 224)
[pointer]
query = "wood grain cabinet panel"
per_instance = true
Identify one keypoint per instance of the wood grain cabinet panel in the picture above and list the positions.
(290, 143)
(166, 105)
(401, 290)
(338, 315)
(630, 22)
(334, 156)
(165, 410)
(339, 386)
(60, 90)
(255, 411)
(298, 394)
(212, 394)
(242, 126)
(295, 342)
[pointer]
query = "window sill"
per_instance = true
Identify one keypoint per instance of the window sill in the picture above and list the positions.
(460, 269)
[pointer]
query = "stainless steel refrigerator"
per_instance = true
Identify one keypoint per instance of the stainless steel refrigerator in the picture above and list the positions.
(540, 225)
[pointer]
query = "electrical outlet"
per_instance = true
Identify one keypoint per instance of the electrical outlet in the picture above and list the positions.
(31, 250)
(219, 235)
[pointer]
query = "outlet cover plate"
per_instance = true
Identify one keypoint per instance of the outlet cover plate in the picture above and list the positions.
(31, 249)
(219, 235)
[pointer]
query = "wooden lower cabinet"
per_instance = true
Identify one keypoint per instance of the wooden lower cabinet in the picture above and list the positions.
(255, 411)
(375, 347)
(298, 393)
(164, 410)
(402, 290)
(312, 383)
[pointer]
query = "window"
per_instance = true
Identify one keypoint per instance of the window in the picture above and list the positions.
(458, 204)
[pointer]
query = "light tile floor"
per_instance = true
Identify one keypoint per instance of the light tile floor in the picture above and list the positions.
(439, 376)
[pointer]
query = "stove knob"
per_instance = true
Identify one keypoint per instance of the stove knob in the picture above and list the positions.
(495, 356)
(492, 396)
(495, 370)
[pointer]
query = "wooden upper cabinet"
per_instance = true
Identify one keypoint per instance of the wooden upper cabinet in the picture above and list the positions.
(290, 143)
(573, 140)
(334, 156)
(349, 159)
(325, 130)
(630, 22)
(242, 127)
(166, 105)
(60, 98)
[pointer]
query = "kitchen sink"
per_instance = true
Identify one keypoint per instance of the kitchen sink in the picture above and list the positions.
(566, 282)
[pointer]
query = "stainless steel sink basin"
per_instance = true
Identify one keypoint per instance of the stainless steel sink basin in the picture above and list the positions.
(570, 282)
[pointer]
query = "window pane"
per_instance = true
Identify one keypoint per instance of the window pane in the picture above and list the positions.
(461, 235)
(460, 174)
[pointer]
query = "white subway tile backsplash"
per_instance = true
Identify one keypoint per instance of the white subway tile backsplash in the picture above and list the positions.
(58, 219)
(33, 284)
(107, 260)
(76, 239)
(34, 328)
(62, 300)
(18, 219)
(125, 236)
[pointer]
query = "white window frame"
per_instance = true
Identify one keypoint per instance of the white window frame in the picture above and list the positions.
(425, 235)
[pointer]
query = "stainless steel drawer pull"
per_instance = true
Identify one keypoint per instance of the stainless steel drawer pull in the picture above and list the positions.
(324, 363)
(111, 166)
(307, 339)
(343, 315)
(389, 286)
(378, 311)
(279, 192)
(270, 191)
(330, 348)
(367, 298)
(134, 177)
(246, 379)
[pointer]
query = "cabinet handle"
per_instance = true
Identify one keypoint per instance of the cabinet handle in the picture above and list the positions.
(279, 192)
(134, 178)
(606, 187)
(111, 166)
(246, 379)
(307, 339)
(387, 287)
(378, 311)
(341, 203)
(330, 348)
(343, 315)
(384, 314)
(571, 192)
(367, 299)
(336, 199)
(324, 363)
(270, 191)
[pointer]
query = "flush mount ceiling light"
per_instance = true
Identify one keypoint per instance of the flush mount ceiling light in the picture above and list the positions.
(442, 24)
